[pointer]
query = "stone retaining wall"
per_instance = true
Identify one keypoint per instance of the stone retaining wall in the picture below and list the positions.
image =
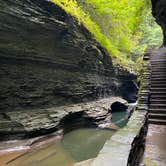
(127, 145)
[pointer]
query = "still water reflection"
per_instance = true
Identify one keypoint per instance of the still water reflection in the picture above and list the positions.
(77, 145)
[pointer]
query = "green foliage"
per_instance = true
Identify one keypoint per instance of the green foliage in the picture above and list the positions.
(123, 27)
(118, 19)
(151, 34)
(72, 7)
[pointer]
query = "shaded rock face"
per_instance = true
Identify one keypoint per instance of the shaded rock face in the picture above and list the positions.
(32, 123)
(48, 59)
(159, 12)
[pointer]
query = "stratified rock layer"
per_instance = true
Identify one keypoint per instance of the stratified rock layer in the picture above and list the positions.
(49, 59)
(31, 123)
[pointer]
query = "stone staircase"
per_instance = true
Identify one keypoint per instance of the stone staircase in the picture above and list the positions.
(155, 147)
(157, 106)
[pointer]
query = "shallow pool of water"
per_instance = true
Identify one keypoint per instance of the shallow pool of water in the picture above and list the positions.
(77, 145)
(120, 119)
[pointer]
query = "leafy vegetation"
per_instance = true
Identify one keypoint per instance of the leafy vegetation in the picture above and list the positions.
(123, 27)
(151, 34)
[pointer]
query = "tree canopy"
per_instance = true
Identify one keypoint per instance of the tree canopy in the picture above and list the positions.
(124, 27)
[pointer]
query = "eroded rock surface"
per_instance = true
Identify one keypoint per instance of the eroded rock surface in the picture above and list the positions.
(49, 59)
(31, 123)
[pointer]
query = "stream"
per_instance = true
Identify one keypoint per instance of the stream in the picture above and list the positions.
(77, 145)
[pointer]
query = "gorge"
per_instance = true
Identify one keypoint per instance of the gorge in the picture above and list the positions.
(58, 76)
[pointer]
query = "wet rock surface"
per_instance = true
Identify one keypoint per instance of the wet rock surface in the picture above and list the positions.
(31, 123)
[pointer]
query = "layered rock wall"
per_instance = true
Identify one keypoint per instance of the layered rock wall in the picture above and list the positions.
(49, 59)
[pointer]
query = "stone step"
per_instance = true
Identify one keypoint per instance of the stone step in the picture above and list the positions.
(158, 85)
(157, 96)
(158, 79)
(157, 116)
(158, 57)
(158, 88)
(163, 106)
(157, 121)
(158, 60)
(157, 69)
(161, 60)
(158, 92)
(161, 74)
(158, 75)
(157, 82)
(157, 101)
(158, 65)
(158, 72)
(156, 110)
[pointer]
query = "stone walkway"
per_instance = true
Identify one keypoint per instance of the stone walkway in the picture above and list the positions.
(155, 153)
(155, 148)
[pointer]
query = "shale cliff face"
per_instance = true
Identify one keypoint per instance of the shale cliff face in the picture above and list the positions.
(159, 12)
(47, 59)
